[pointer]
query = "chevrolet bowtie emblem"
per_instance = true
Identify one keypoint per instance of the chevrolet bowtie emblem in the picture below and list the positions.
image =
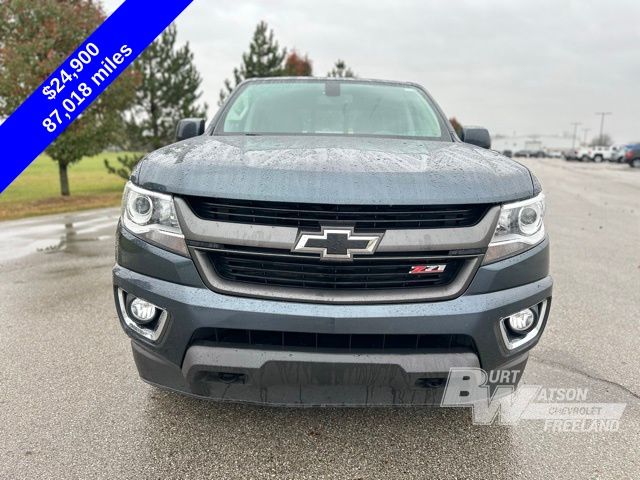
(334, 243)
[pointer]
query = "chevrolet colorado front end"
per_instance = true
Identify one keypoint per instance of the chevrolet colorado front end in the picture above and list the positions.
(329, 242)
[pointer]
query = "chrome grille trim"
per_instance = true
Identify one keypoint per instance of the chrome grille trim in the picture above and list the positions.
(265, 236)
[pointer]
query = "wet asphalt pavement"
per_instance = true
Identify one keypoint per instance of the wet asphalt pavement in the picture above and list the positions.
(72, 406)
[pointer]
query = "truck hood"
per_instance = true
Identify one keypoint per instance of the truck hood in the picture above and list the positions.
(333, 169)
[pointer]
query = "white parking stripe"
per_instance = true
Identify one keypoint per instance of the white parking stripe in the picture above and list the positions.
(60, 226)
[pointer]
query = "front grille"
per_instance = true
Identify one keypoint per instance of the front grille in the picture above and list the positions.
(308, 272)
(320, 342)
(314, 215)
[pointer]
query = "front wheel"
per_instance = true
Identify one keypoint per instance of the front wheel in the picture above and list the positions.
(597, 158)
(635, 163)
(584, 158)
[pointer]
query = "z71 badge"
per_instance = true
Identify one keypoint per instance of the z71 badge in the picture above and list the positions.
(426, 269)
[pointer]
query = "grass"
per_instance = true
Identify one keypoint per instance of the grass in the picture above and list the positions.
(37, 190)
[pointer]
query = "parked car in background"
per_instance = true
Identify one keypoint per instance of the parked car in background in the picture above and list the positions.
(584, 154)
(507, 153)
(554, 154)
(616, 153)
(530, 153)
(570, 154)
(593, 154)
(632, 155)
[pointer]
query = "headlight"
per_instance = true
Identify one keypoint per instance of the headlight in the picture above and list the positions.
(520, 227)
(152, 217)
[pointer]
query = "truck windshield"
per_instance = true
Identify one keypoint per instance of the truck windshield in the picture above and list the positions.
(345, 108)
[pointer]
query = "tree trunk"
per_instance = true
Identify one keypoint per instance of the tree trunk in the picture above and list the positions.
(64, 179)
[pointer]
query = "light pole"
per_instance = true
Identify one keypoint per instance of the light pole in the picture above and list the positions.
(575, 132)
(585, 131)
(602, 115)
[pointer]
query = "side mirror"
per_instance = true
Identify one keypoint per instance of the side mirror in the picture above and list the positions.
(189, 127)
(477, 136)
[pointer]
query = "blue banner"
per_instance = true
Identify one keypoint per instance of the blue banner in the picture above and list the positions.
(81, 78)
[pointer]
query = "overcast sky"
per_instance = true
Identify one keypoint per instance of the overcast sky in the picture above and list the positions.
(529, 67)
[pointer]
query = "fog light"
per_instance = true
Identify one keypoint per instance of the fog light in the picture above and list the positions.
(142, 311)
(524, 327)
(142, 317)
(522, 321)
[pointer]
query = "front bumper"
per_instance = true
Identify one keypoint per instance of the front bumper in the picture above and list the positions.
(286, 378)
(179, 361)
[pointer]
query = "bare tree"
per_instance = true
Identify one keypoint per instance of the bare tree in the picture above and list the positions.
(604, 140)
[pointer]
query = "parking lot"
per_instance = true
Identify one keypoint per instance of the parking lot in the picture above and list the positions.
(72, 406)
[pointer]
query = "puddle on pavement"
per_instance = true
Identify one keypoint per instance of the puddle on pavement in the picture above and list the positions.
(68, 240)
(68, 237)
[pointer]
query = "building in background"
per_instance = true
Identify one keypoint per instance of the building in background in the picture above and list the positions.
(548, 143)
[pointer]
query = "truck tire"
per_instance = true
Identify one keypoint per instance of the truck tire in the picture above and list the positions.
(597, 159)
(585, 158)
(635, 163)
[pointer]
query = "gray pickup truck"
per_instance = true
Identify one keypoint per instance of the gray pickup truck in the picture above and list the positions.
(330, 242)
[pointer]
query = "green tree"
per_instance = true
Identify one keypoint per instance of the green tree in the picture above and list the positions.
(127, 164)
(297, 66)
(340, 70)
(169, 90)
(36, 37)
(264, 59)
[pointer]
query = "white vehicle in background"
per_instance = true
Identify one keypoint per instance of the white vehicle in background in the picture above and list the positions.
(593, 154)
(616, 153)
